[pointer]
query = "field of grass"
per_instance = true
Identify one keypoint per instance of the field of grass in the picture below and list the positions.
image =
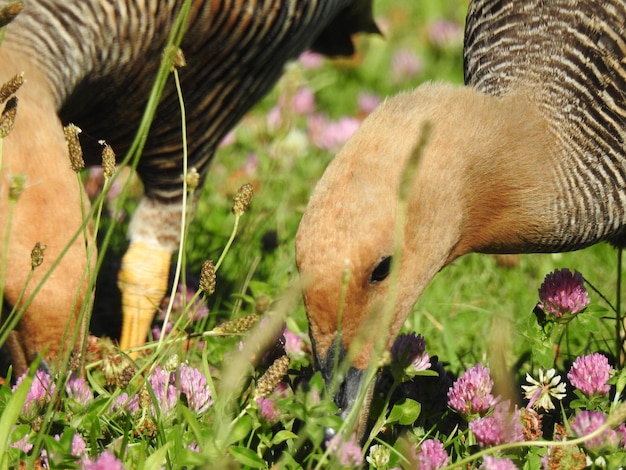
(478, 310)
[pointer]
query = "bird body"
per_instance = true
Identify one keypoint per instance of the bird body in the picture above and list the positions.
(93, 63)
(529, 156)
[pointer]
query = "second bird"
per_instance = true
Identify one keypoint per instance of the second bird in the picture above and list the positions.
(529, 156)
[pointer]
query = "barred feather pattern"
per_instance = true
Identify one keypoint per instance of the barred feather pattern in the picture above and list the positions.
(101, 56)
(569, 56)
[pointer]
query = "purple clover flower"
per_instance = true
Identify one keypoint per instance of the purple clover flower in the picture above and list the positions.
(405, 64)
(563, 293)
(471, 393)
(164, 392)
(78, 390)
(79, 446)
(368, 102)
(348, 452)
(409, 350)
(23, 444)
(194, 385)
(330, 135)
(494, 463)
(311, 60)
(590, 374)
(268, 410)
(294, 345)
(78, 450)
(303, 101)
(499, 428)
(444, 33)
(39, 395)
(106, 461)
(586, 422)
(431, 455)
(125, 402)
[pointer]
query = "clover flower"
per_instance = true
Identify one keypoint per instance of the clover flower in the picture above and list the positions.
(563, 293)
(311, 60)
(410, 351)
(78, 390)
(444, 33)
(78, 449)
(105, 461)
(431, 455)
(23, 444)
(348, 452)
(499, 428)
(586, 422)
(540, 391)
(405, 65)
(193, 385)
(294, 345)
(125, 402)
(164, 391)
(330, 135)
(79, 446)
(471, 393)
(39, 395)
(303, 101)
(268, 410)
(378, 456)
(367, 103)
(590, 374)
(495, 463)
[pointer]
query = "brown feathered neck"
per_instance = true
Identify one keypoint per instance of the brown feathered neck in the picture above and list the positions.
(482, 183)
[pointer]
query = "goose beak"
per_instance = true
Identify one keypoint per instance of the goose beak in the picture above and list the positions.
(347, 388)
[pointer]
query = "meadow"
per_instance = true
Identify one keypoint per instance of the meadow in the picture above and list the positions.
(223, 386)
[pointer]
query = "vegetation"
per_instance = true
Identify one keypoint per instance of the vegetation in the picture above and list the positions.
(229, 381)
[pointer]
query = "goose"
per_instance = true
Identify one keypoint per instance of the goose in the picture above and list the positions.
(93, 63)
(527, 156)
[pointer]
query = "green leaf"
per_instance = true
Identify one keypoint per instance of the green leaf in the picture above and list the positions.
(405, 413)
(620, 381)
(240, 429)
(157, 459)
(282, 436)
(247, 457)
(543, 354)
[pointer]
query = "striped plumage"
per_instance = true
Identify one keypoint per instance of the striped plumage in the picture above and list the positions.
(575, 50)
(93, 63)
(100, 58)
(529, 156)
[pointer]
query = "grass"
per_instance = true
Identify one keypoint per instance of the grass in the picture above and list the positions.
(464, 314)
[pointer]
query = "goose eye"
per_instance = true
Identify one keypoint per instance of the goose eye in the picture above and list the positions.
(381, 271)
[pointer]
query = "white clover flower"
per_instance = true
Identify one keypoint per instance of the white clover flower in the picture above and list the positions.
(540, 391)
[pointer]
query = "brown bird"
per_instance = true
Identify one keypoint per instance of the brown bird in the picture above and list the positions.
(529, 156)
(93, 63)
